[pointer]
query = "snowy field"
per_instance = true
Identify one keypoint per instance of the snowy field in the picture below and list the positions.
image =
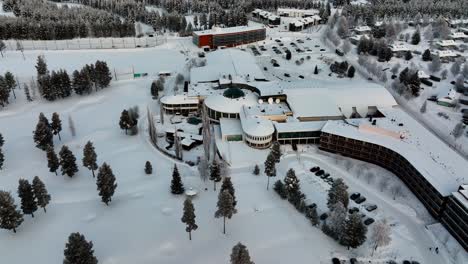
(142, 223)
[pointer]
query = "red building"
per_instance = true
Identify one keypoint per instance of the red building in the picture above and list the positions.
(229, 37)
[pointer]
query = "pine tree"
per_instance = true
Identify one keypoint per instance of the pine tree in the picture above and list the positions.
(79, 251)
(338, 193)
(53, 162)
(67, 162)
(270, 169)
(276, 151)
(90, 157)
(291, 183)
(148, 168)
(2, 141)
(10, 218)
(56, 124)
(240, 255)
(256, 170)
(40, 192)
(4, 92)
(226, 207)
(227, 185)
(416, 38)
(43, 136)
(2, 158)
(427, 56)
(313, 216)
(215, 173)
(188, 218)
(354, 233)
(26, 194)
(41, 66)
(177, 186)
(27, 93)
(10, 82)
(351, 72)
(126, 121)
(103, 75)
(106, 183)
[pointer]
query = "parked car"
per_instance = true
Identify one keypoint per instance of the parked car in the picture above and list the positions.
(371, 207)
(314, 169)
(369, 221)
(353, 210)
(287, 75)
(336, 261)
(265, 68)
(325, 175)
(354, 196)
(339, 52)
(323, 216)
(301, 77)
(320, 173)
(360, 200)
(276, 65)
(353, 261)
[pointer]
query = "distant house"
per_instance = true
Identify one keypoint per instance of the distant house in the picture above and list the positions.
(446, 44)
(296, 26)
(355, 39)
(399, 49)
(459, 36)
(361, 30)
(447, 55)
(290, 12)
(449, 99)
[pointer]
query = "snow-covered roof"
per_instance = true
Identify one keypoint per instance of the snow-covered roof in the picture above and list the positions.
(224, 62)
(178, 99)
(399, 47)
(423, 75)
(446, 43)
(230, 127)
(255, 125)
(446, 53)
(462, 195)
(336, 101)
(297, 11)
(228, 30)
(299, 126)
(362, 28)
(458, 35)
(223, 104)
(358, 37)
(438, 163)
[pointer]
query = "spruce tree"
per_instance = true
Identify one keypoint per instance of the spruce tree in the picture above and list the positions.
(126, 122)
(106, 183)
(10, 218)
(351, 72)
(276, 151)
(67, 162)
(41, 66)
(103, 75)
(313, 216)
(154, 89)
(188, 218)
(79, 251)
(10, 82)
(2, 158)
(336, 220)
(90, 157)
(280, 189)
(53, 162)
(240, 255)
(354, 233)
(427, 55)
(338, 193)
(43, 136)
(226, 207)
(2, 140)
(227, 185)
(416, 38)
(177, 186)
(256, 170)
(56, 124)
(40, 192)
(291, 182)
(27, 93)
(148, 168)
(270, 169)
(28, 202)
(215, 173)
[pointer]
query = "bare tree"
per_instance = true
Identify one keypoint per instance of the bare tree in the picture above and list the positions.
(370, 177)
(206, 133)
(380, 236)
(346, 46)
(177, 146)
(161, 112)
(458, 130)
(348, 164)
(383, 183)
(203, 167)
(396, 190)
(71, 125)
(151, 127)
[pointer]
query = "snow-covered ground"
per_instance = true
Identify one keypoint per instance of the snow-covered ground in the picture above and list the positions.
(142, 223)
